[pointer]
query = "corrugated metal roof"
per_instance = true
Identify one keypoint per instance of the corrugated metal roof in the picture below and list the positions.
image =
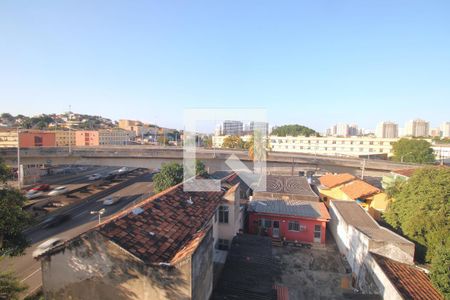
(308, 209)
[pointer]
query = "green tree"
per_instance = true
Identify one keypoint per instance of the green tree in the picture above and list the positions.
(233, 142)
(421, 212)
(10, 287)
(13, 221)
(293, 130)
(413, 150)
(172, 174)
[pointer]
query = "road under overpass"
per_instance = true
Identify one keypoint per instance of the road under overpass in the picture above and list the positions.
(214, 159)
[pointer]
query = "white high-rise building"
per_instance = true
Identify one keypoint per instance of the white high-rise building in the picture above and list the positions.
(342, 130)
(417, 128)
(387, 130)
(445, 129)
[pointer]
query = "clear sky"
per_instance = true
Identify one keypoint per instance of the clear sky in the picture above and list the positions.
(308, 62)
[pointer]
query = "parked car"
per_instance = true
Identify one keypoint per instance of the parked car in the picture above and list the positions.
(111, 200)
(110, 176)
(55, 220)
(33, 194)
(47, 245)
(58, 191)
(41, 187)
(122, 170)
(95, 177)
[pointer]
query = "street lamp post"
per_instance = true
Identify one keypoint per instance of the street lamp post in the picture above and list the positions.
(70, 131)
(99, 213)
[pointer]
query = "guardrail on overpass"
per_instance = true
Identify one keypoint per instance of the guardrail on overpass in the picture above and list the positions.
(47, 155)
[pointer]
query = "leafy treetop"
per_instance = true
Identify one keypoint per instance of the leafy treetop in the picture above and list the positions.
(293, 130)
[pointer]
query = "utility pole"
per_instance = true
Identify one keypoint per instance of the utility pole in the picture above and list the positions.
(363, 167)
(19, 173)
(70, 131)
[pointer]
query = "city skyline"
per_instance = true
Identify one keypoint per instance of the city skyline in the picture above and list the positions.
(361, 63)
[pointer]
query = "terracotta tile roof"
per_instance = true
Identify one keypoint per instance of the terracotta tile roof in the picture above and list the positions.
(165, 227)
(410, 282)
(333, 180)
(359, 189)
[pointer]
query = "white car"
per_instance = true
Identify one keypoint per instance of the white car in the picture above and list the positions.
(32, 194)
(94, 177)
(47, 245)
(122, 170)
(58, 191)
(110, 200)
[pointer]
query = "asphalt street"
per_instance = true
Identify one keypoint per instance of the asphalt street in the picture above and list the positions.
(28, 270)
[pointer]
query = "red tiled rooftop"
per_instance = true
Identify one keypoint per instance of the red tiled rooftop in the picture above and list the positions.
(410, 282)
(359, 189)
(333, 180)
(167, 229)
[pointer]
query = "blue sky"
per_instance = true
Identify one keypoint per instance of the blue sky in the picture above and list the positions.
(308, 62)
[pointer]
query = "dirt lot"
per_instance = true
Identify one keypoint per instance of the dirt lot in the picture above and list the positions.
(314, 273)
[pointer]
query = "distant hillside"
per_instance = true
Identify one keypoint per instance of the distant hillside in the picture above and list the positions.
(294, 130)
(44, 121)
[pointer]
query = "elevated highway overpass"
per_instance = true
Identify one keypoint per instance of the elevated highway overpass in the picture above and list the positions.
(214, 159)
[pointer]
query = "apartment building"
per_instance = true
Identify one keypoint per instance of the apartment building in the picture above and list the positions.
(417, 128)
(86, 138)
(387, 130)
(64, 138)
(8, 138)
(232, 127)
(115, 136)
(445, 129)
(349, 146)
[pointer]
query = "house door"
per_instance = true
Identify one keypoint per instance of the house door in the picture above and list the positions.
(317, 233)
(276, 229)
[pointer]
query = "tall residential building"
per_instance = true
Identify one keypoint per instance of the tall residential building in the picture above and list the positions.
(417, 128)
(445, 129)
(435, 132)
(232, 127)
(353, 130)
(262, 127)
(387, 130)
(342, 130)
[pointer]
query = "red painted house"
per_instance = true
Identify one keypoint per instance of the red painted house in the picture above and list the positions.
(294, 220)
(288, 209)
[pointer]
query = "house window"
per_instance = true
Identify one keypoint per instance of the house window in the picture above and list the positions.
(294, 226)
(264, 223)
(222, 244)
(317, 231)
(223, 214)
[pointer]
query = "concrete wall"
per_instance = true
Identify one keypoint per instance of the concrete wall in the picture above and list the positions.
(355, 245)
(202, 269)
(96, 268)
(235, 217)
(374, 281)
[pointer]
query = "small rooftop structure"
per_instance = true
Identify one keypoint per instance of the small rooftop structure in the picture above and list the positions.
(332, 180)
(286, 187)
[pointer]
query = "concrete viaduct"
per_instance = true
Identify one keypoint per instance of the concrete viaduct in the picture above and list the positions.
(214, 159)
